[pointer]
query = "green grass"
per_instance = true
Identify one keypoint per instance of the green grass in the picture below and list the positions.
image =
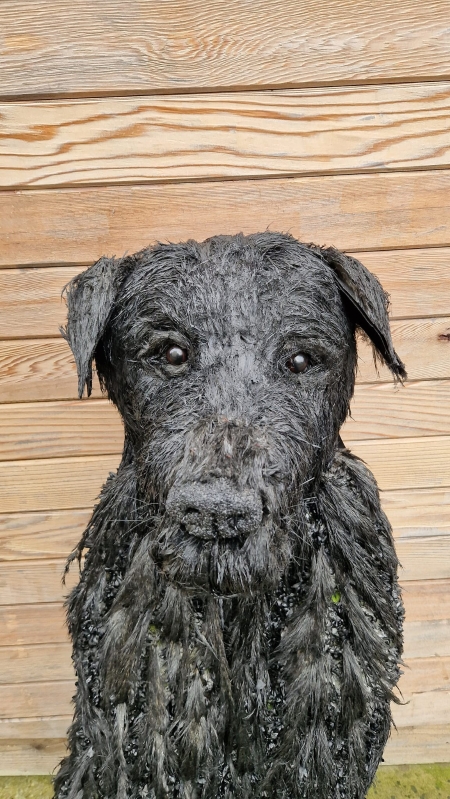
(393, 782)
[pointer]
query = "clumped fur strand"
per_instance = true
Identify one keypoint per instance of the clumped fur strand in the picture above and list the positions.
(237, 626)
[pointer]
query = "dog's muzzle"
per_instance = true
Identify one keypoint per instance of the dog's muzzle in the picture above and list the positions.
(214, 509)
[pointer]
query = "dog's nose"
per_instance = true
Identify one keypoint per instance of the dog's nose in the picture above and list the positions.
(215, 509)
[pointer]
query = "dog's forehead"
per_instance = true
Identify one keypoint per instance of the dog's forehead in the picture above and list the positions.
(235, 283)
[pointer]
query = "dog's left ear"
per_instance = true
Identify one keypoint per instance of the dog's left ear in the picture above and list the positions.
(90, 298)
(366, 303)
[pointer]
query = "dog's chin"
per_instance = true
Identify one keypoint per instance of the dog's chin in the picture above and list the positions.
(225, 566)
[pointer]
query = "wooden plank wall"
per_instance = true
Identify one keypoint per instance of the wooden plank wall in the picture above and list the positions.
(121, 124)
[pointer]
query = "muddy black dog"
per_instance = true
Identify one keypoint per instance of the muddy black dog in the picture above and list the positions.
(237, 624)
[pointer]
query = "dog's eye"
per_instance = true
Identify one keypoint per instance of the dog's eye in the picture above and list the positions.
(176, 355)
(298, 363)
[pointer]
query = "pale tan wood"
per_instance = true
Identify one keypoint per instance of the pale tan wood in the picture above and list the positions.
(418, 513)
(21, 624)
(418, 282)
(44, 429)
(409, 745)
(20, 664)
(383, 410)
(426, 600)
(427, 671)
(407, 462)
(425, 674)
(35, 699)
(33, 624)
(32, 757)
(31, 302)
(44, 369)
(53, 483)
(424, 557)
(427, 639)
(48, 534)
(232, 135)
(27, 582)
(95, 48)
(427, 708)
(34, 369)
(44, 727)
(72, 428)
(422, 344)
(63, 483)
(353, 212)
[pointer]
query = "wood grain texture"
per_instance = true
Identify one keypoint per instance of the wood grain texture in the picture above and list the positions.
(23, 664)
(44, 369)
(382, 410)
(429, 744)
(420, 744)
(38, 369)
(31, 756)
(73, 428)
(418, 282)
(417, 516)
(216, 136)
(34, 699)
(44, 727)
(28, 582)
(418, 513)
(33, 624)
(354, 212)
(49, 429)
(66, 483)
(48, 534)
(407, 463)
(151, 47)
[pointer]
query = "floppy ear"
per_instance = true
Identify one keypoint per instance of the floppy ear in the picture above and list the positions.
(90, 298)
(366, 303)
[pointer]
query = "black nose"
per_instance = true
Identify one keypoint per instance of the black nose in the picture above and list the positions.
(215, 509)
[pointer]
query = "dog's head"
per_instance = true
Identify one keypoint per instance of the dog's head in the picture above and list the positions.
(232, 363)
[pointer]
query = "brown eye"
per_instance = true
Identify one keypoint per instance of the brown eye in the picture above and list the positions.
(176, 355)
(298, 363)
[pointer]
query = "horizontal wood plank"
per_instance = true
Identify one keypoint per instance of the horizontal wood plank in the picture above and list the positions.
(44, 429)
(216, 136)
(31, 756)
(407, 463)
(354, 212)
(409, 745)
(35, 699)
(94, 49)
(43, 727)
(421, 744)
(418, 282)
(46, 534)
(52, 661)
(44, 369)
(66, 483)
(28, 700)
(418, 513)
(428, 556)
(382, 410)
(72, 428)
(21, 625)
(29, 582)
(24, 664)
(425, 600)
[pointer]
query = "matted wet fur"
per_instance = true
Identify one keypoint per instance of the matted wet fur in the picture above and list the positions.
(237, 625)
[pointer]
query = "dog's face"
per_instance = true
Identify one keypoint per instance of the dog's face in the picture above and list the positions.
(232, 363)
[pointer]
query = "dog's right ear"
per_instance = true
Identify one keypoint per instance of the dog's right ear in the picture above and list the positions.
(90, 298)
